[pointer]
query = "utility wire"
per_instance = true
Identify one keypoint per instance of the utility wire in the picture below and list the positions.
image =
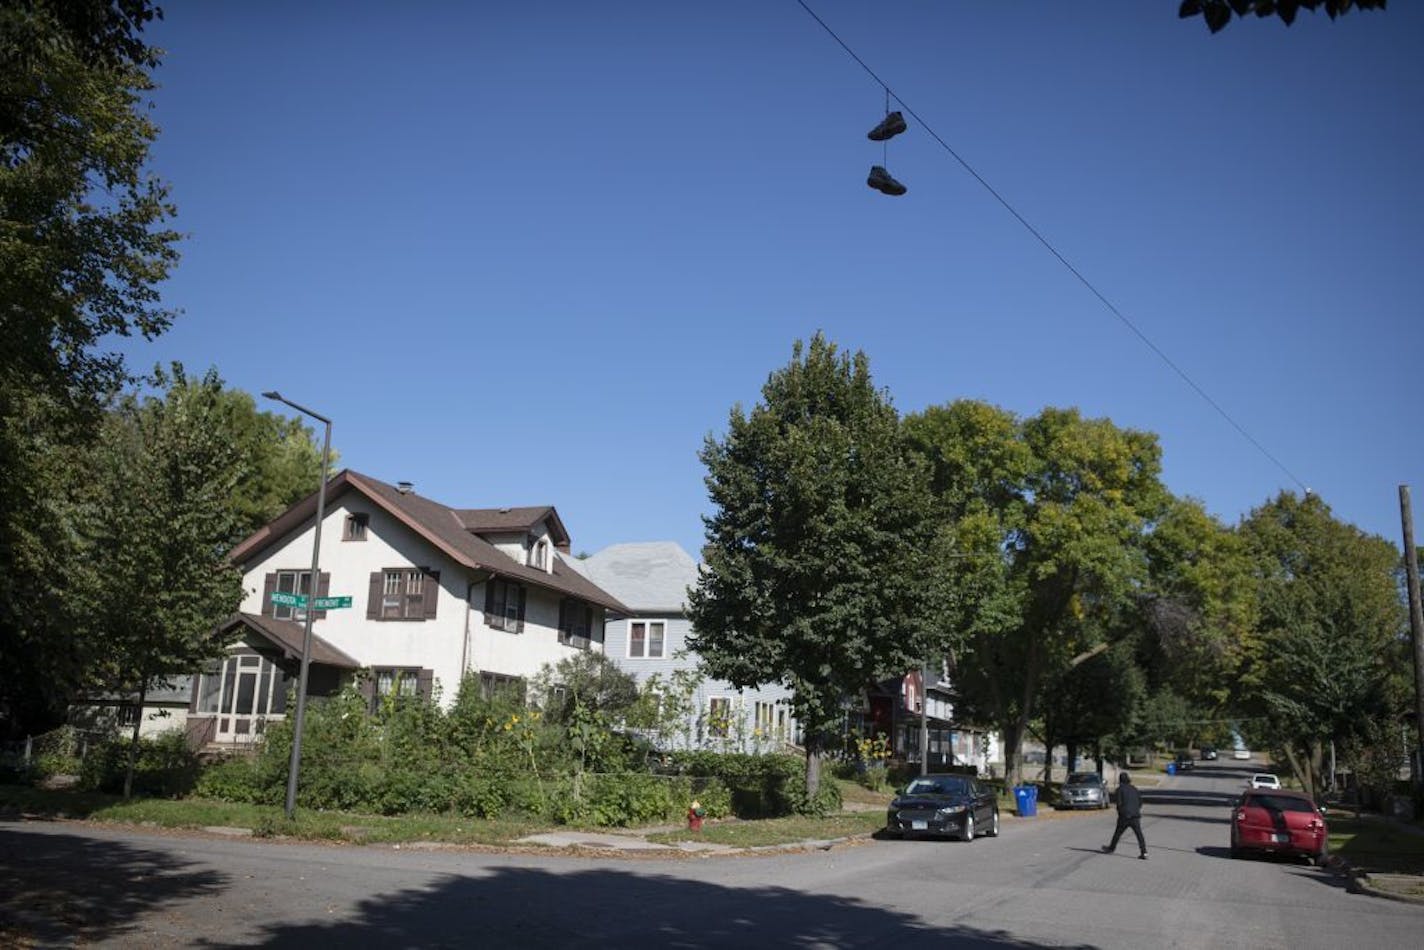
(1054, 251)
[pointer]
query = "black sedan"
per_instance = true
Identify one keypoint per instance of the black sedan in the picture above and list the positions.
(944, 805)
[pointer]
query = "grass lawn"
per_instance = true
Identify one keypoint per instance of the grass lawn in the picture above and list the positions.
(264, 820)
(774, 831)
(1376, 844)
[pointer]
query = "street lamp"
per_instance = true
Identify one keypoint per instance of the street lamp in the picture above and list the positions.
(296, 762)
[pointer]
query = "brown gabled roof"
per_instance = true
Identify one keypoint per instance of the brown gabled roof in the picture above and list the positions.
(443, 527)
(287, 637)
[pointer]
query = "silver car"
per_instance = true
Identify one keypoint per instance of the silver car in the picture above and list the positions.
(1084, 790)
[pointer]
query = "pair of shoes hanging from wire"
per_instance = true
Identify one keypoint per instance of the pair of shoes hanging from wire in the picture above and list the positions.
(890, 126)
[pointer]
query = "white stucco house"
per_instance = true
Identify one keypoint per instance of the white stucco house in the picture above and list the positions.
(436, 592)
(649, 637)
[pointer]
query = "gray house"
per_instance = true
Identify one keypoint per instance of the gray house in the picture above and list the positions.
(652, 579)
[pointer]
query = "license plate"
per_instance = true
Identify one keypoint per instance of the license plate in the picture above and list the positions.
(919, 825)
(1282, 839)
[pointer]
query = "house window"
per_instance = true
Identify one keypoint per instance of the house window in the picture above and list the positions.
(719, 716)
(763, 719)
(292, 582)
(392, 685)
(539, 555)
(504, 605)
(242, 688)
(646, 639)
(356, 527)
(575, 623)
(128, 715)
(499, 686)
(403, 594)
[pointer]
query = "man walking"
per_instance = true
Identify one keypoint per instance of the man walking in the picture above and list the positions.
(1129, 815)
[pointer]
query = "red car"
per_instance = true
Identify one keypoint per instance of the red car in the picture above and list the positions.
(1279, 822)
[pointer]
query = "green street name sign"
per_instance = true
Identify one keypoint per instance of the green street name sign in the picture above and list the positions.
(332, 603)
(289, 600)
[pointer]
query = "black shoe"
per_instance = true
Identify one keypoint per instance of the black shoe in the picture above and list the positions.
(881, 181)
(1142, 856)
(1107, 850)
(889, 127)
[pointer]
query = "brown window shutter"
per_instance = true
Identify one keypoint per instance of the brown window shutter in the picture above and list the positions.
(373, 596)
(432, 593)
(519, 627)
(269, 587)
(323, 589)
(489, 599)
(564, 606)
(424, 683)
(368, 687)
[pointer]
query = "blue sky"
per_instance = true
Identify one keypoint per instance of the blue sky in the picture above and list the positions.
(533, 253)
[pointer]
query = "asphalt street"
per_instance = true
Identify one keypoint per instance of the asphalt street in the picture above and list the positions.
(1042, 883)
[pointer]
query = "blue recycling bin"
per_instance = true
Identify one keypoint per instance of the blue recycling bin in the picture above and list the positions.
(1026, 798)
(1171, 768)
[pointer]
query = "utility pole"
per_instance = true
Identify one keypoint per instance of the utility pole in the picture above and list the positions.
(1416, 630)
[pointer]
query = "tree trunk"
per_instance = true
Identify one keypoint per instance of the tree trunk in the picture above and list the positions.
(1072, 750)
(1301, 773)
(1048, 739)
(813, 767)
(133, 744)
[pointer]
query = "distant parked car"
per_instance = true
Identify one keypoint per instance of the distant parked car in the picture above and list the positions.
(1084, 790)
(1183, 761)
(1241, 754)
(1208, 753)
(944, 805)
(1265, 780)
(1279, 822)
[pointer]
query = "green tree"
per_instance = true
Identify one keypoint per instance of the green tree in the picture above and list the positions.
(158, 582)
(83, 248)
(1332, 626)
(816, 545)
(1058, 506)
(1199, 608)
(1218, 13)
(588, 681)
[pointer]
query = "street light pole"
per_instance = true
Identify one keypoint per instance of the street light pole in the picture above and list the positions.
(294, 767)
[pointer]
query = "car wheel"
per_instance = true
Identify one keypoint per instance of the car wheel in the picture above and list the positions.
(968, 834)
(1322, 856)
(993, 831)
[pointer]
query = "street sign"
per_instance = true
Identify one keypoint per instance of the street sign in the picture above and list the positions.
(289, 600)
(331, 603)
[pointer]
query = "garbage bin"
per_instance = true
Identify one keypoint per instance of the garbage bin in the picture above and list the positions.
(1171, 768)
(1026, 798)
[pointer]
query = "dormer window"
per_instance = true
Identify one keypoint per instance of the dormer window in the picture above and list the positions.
(539, 555)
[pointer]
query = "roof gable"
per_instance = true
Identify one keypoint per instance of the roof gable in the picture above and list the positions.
(443, 527)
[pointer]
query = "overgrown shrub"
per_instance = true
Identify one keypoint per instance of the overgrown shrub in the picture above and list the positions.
(164, 767)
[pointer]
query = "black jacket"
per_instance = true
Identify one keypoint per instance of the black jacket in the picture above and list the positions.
(1129, 801)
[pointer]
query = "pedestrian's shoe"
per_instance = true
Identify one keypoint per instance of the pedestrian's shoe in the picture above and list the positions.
(1142, 856)
(881, 181)
(889, 127)
(1107, 850)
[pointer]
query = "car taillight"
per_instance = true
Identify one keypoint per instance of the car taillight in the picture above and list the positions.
(1241, 814)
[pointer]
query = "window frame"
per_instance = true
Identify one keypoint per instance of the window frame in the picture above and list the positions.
(719, 727)
(645, 652)
(406, 595)
(294, 614)
(356, 526)
(503, 601)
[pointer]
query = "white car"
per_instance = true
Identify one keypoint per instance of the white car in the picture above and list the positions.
(1265, 780)
(1242, 754)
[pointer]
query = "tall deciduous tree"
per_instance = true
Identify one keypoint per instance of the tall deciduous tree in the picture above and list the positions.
(83, 248)
(1065, 502)
(816, 546)
(162, 523)
(1332, 627)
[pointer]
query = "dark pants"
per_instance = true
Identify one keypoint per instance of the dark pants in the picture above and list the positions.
(1135, 823)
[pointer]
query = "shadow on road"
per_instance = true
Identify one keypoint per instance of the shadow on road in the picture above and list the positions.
(528, 907)
(64, 887)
